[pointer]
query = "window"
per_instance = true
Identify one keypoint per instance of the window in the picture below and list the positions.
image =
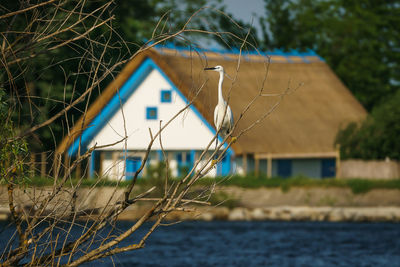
(151, 113)
(188, 157)
(284, 168)
(166, 96)
(179, 158)
(132, 165)
(328, 168)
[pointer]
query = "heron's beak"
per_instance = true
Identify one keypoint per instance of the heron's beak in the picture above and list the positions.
(213, 68)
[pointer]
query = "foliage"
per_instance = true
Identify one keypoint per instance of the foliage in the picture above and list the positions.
(356, 185)
(13, 150)
(358, 39)
(43, 70)
(223, 199)
(48, 80)
(376, 137)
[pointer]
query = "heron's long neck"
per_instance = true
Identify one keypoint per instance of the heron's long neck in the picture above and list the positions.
(221, 80)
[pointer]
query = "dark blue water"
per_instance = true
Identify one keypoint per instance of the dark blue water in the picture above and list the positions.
(265, 244)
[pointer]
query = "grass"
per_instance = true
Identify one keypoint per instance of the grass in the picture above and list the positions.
(223, 199)
(357, 186)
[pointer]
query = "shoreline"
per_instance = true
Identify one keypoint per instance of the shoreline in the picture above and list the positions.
(235, 204)
(279, 213)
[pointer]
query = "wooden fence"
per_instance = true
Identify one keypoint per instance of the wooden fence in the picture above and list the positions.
(49, 164)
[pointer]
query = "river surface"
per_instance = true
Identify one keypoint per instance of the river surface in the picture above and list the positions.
(262, 244)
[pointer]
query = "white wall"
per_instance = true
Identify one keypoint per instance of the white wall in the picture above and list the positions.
(186, 132)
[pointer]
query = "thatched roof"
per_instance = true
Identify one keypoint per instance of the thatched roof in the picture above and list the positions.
(305, 122)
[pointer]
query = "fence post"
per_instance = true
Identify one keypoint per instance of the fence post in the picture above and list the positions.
(269, 165)
(78, 171)
(256, 165)
(43, 163)
(56, 164)
(338, 169)
(66, 164)
(32, 164)
(244, 159)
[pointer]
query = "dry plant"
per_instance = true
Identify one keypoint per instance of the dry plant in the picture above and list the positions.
(43, 232)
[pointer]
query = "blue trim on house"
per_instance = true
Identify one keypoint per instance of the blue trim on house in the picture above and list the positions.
(151, 113)
(111, 108)
(245, 53)
(166, 96)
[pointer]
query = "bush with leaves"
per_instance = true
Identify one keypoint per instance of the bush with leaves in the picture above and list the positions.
(13, 150)
(377, 137)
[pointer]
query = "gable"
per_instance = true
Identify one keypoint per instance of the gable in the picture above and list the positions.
(127, 114)
(305, 122)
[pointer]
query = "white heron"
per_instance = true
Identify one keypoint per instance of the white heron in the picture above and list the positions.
(223, 117)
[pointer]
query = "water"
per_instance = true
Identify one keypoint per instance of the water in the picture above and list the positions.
(265, 244)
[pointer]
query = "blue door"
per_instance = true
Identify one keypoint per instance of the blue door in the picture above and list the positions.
(284, 168)
(132, 165)
(328, 168)
(224, 166)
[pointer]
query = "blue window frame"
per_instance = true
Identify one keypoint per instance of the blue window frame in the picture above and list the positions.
(188, 157)
(328, 168)
(166, 96)
(284, 168)
(151, 113)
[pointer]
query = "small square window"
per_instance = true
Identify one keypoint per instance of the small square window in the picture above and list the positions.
(166, 96)
(151, 113)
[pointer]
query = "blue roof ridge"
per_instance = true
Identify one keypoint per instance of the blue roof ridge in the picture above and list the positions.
(235, 51)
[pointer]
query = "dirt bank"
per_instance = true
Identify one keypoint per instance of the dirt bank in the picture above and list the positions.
(331, 204)
(313, 196)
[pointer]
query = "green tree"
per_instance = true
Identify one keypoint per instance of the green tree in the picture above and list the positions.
(42, 48)
(358, 39)
(377, 137)
(45, 78)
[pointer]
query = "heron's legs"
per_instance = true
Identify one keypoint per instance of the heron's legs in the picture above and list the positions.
(214, 161)
(216, 146)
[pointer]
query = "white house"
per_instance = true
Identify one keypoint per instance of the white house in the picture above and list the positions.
(296, 139)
